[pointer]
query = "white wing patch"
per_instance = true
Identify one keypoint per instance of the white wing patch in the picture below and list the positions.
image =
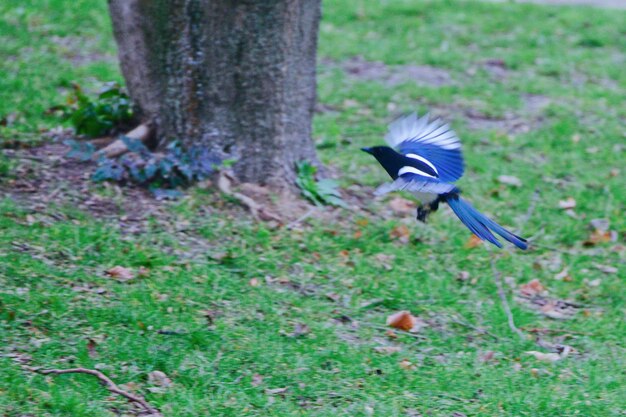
(414, 129)
(424, 160)
(413, 170)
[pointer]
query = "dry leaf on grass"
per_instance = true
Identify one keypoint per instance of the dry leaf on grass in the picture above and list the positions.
(159, 379)
(402, 320)
(487, 356)
(532, 288)
(593, 283)
(463, 276)
(510, 180)
(256, 380)
(600, 236)
(567, 204)
(407, 365)
(563, 276)
(385, 260)
(299, 330)
(120, 273)
(91, 349)
(473, 242)
(400, 233)
(558, 310)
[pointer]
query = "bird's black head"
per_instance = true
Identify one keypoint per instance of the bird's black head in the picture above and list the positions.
(391, 160)
(379, 151)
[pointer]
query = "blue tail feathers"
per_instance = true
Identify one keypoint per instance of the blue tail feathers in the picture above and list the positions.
(481, 225)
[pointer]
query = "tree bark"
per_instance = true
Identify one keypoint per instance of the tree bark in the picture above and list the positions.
(236, 76)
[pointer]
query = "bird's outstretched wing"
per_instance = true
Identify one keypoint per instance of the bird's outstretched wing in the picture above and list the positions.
(415, 184)
(432, 142)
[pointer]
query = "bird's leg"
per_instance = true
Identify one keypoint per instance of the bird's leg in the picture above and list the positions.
(422, 213)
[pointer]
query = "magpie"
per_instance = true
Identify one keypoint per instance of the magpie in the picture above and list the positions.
(426, 161)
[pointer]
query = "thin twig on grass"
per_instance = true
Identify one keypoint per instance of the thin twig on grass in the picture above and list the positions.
(505, 304)
(109, 385)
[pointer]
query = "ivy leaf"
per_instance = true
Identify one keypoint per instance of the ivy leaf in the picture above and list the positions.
(108, 170)
(83, 151)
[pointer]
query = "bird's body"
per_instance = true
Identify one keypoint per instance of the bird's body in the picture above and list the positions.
(426, 161)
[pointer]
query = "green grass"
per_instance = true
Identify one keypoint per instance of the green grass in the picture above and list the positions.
(54, 295)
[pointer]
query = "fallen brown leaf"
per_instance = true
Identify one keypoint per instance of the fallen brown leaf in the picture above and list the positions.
(385, 260)
(120, 273)
(563, 276)
(488, 356)
(402, 320)
(568, 203)
(300, 330)
(594, 282)
(473, 242)
(256, 380)
(400, 233)
(406, 365)
(333, 296)
(463, 276)
(532, 288)
(510, 180)
(598, 236)
(557, 310)
(159, 378)
(91, 349)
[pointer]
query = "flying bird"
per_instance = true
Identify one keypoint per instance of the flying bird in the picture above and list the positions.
(424, 158)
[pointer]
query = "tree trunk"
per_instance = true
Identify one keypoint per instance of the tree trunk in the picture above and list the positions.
(236, 76)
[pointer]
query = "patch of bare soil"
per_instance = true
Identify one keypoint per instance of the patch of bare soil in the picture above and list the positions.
(45, 178)
(360, 69)
(80, 50)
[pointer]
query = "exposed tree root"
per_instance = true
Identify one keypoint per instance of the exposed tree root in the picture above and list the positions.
(148, 409)
(118, 147)
(259, 212)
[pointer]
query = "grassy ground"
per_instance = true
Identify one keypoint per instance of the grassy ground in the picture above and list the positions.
(233, 311)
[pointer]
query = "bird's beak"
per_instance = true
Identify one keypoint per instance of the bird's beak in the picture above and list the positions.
(368, 150)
